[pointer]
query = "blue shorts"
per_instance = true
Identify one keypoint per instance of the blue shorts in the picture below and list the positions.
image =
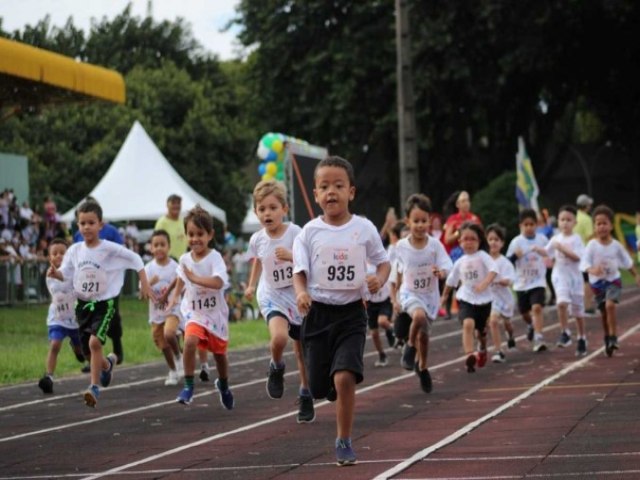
(57, 332)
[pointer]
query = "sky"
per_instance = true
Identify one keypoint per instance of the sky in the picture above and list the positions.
(207, 17)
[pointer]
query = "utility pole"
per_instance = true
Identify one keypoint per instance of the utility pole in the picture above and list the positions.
(407, 142)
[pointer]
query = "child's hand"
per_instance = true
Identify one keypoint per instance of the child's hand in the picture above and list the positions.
(249, 291)
(396, 306)
(283, 254)
(189, 273)
(53, 272)
(170, 304)
(146, 293)
(597, 271)
(153, 280)
(437, 272)
(303, 301)
(373, 283)
(479, 288)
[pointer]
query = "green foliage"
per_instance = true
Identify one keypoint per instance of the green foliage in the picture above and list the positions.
(496, 203)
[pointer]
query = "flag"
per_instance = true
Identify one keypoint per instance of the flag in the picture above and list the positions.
(526, 186)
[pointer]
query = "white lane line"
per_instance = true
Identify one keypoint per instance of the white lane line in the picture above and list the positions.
(422, 454)
(589, 474)
(157, 379)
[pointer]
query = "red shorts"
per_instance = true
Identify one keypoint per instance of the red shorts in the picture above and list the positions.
(206, 339)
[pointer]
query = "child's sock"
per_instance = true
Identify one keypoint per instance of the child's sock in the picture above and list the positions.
(188, 381)
(224, 384)
(304, 392)
(278, 365)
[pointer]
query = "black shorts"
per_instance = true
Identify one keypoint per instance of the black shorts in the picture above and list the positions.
(94, 318)
(528, 298)
(294, 330)
(375, 309)
(479, 313)
(115, 327)
(333, 338)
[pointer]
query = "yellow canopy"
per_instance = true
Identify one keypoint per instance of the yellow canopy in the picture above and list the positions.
(36, 76)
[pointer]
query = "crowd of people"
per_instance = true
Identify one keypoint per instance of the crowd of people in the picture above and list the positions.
(325, 284)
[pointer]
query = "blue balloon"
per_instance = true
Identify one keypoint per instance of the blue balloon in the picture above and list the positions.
(262, 168)
(271, 156)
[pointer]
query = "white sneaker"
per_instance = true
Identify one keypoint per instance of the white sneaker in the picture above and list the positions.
(173, 378)
(179, 366)
(498, 357)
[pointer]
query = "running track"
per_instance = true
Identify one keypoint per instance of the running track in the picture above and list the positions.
(542, 416)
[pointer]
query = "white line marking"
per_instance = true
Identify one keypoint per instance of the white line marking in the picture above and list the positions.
(476, 423)
(590, 474)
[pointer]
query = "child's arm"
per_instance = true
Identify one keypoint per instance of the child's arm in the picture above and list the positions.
(570, 254)
(215, 283)
(284, 254)
(146, 293)
(303, 299)
(484, 284)
(177, 291)
(256, 271)
(375, 282)
(53, 272)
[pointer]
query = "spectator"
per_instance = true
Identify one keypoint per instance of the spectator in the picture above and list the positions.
(173, 224)
(25, 211)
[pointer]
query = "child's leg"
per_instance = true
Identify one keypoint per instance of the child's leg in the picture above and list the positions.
(418, 322)
(563, 315)
(189, 355)
(345, 384)
(375, 338)
(580, 327)
(98, 362)
(468, 328)
(279, 333)
(423, 350)
(605, 322)
(171, 335)
(52, 356)
(482, 339)
(494, 326)
(610, 308)
(222, 364)
(526, 316)
(537, 317)
(297, 349)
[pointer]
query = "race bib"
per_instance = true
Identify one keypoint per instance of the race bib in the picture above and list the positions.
(278, 273)
(608, 267)
(340, 268)
(418, 279)
(203, 300)
(63, 304)
(90, 283)
(471, 276)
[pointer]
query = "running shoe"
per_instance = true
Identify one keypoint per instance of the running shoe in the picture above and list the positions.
(382, 360)
(46, 384)
(391, 338)
(185, 397)
(91, 395)
(539, 345)
(408, 357)
(564, 340)
(344, 453)
(482, 358)
(226, 397)
(581, 347)
(275, 381)
(306, 412)
(204, 372)
(470, 363)
(511, 343)
(530, 333)
(107, 375)
(614, 342)
(498, 357)
(172, 378)
(425, 381)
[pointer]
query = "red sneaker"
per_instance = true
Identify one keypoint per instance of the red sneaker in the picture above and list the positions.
(482, 358)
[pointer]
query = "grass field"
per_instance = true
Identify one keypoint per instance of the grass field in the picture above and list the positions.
(24, 344)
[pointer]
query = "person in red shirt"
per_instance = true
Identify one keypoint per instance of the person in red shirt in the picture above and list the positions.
(462, 203)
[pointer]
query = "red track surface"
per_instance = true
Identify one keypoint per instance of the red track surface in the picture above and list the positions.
(546, 415)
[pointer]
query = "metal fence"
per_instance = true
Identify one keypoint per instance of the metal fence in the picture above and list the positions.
(25, 283)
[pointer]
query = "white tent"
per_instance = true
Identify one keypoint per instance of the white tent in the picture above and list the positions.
(251, 224)
(138, 182)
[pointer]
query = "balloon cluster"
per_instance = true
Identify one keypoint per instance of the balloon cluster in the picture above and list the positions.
(271, 154)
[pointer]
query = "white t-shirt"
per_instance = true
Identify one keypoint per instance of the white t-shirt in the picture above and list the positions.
(275, 289)
(166, 274)
(565, 270)
(416, 267)
(63, 299)
(334, 258)
(530, 268)
(97, 272)
(503, 301)
(381, 295)
(469, 271)
(205, 306)
(611, 258)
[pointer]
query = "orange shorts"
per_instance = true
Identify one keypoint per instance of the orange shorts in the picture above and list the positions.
(206, 339)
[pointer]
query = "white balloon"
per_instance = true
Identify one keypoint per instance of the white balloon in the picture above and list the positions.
(263, 151)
